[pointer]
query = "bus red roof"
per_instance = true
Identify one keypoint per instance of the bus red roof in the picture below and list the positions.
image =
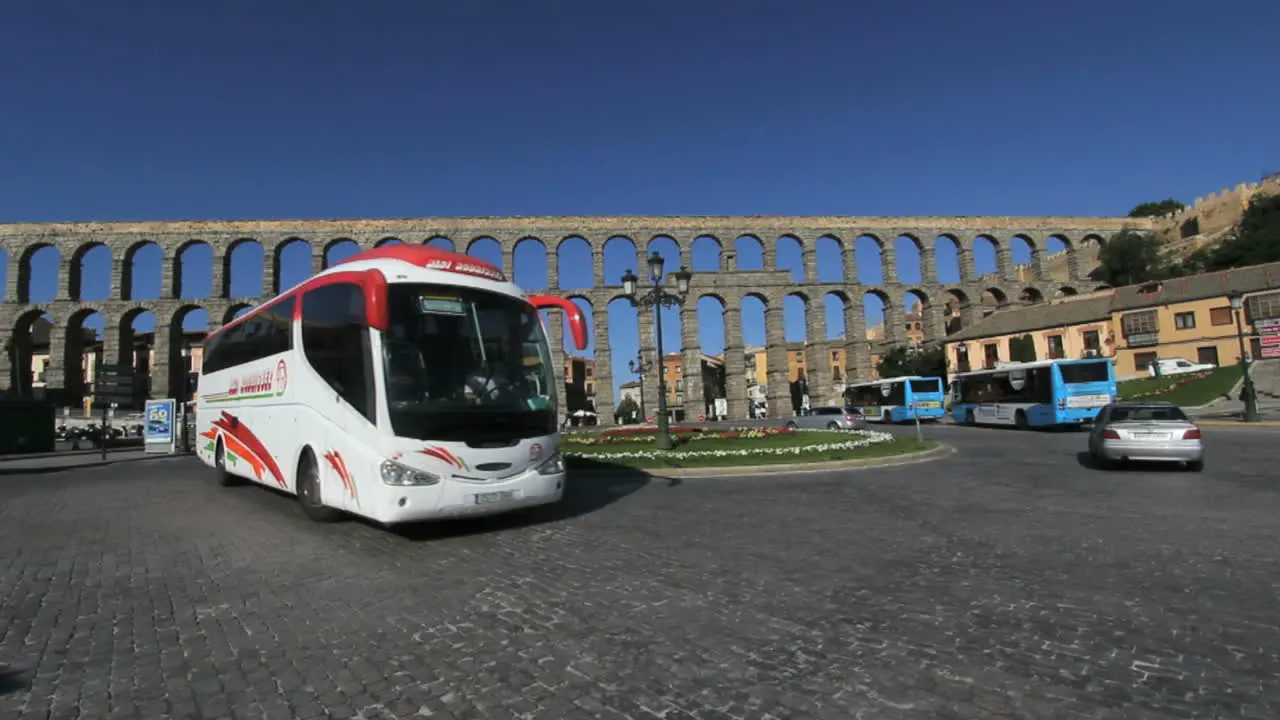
(432, 258)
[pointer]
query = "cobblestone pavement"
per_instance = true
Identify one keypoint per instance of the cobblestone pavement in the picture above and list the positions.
(1007, 582)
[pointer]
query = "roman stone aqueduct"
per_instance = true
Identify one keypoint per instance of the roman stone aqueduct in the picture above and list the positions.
(726, 280)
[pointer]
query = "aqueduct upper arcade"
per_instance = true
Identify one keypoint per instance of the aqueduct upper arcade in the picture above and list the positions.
(714, 247)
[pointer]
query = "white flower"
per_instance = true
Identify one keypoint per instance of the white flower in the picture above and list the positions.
(865, 438)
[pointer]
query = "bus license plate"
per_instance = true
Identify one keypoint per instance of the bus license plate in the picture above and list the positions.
(493, 497)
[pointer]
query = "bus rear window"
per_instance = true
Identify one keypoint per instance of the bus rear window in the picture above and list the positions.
(1083, 372)
(929, 385)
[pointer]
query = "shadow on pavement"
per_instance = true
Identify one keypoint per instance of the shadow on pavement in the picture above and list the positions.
(589, 486)
(12, 681)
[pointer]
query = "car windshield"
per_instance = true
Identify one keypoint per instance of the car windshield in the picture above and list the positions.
(466, 364)
(1147, 414)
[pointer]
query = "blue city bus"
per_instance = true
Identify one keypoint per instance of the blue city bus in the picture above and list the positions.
(898, 399)
(1034, 394)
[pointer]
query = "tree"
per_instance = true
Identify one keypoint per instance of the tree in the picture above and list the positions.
(900, 360)
(1022, 349)
(626, 410)
(1155, 209)
(1131, 257)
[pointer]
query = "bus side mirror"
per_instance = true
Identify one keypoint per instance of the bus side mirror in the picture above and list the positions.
(577, 322)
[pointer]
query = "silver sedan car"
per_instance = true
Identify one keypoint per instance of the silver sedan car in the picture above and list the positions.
(829, 418)
(1154, 431)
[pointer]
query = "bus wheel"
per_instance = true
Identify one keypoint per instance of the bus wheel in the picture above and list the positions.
(887, 417)
(308, 487)
(225, 479)
(970, 418)
(1020, 420)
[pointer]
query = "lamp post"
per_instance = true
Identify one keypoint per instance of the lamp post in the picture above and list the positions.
(639, 367)
(1250, 399)
(658, 297)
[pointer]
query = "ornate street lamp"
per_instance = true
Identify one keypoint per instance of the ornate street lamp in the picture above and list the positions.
(1250, 399)
(658, 297)
(638, 368)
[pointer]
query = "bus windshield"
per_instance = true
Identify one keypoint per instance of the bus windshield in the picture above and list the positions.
(1087, 372)
(925, 385)
(462, 363)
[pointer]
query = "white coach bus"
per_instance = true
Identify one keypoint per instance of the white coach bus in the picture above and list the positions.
(405, 383)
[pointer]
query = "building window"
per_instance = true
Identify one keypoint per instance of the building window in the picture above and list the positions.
(1221, 316)
(1140, 328)
(1207, 355)
(837, 374)
(1091, 340)
(991, 353)
(1264, 307)
(1184, 320)
(591, 372)
(1139, 323)
(680, 386)
(835, 356)
(1142, 360)
(1056, 351)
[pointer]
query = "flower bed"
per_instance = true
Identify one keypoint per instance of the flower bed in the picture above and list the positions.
(739, 446)
(686, 434)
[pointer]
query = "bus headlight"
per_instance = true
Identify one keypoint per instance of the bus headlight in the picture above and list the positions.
(553, 465)
(393, 473)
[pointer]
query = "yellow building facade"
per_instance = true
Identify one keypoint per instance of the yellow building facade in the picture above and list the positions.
(1184, 318)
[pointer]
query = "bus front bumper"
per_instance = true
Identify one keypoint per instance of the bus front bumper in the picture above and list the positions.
(458, 499)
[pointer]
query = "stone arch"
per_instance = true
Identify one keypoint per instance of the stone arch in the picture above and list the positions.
(128, 331)
(753, 310)
(908, 255)
(985, 251)
(837, 303)
(132, 274)
(27, 276)
(622, 333)
(575, 263)
(948, 259)
(234, 311)
(87, 254)
(993, 298)
(788, 254)
(619, 255)
(712, 339)
(441, 242)
(21, 346)
(487, 248)
(1066, 291)
(337, 250)
(532, 263)
(918, 314)
(176, 362)
(190, 273)
(246, 279)
(956, 308)
(706, 254)
(868, 252)
(748, 249)
(286, 271)
(1031, 295)
(388, 241)
(79, 342)
(1103, 286)
(829, 253)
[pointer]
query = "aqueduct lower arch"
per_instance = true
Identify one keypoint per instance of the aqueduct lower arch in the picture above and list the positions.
(730, 284)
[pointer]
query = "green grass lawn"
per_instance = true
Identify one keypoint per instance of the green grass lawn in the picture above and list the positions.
(578, 456)
(1188, 390)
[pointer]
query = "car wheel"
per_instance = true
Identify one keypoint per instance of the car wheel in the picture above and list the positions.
(791, 425)
(833, 426)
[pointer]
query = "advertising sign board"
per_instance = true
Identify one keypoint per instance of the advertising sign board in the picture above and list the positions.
(160, 431)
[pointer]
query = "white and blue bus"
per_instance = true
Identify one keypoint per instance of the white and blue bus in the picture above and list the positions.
(1045, 393)
(898, 399)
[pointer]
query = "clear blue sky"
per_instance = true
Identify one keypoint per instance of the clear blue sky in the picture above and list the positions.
(316, 109)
